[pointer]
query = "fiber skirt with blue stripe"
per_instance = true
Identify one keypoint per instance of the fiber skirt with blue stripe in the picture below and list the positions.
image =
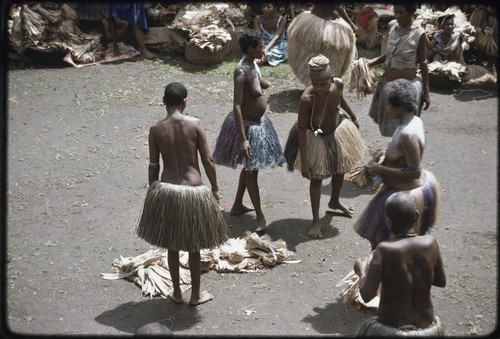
(265, 147)
(371, 223)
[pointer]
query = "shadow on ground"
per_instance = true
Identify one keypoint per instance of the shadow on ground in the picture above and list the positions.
(349, 190)
(335, 318)
(285, 101)
(129, 317)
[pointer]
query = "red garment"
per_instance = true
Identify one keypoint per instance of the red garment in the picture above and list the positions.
(364, 18)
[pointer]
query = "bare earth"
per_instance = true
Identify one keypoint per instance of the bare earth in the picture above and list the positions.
(77, 177)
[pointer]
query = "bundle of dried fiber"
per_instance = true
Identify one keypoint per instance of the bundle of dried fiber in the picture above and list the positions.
(486, 41)
(358, 174)
(350, 293)
(212, 37)
(478, 75)
(310, 35)
(450, 70)
(363, 79)
(150, 272)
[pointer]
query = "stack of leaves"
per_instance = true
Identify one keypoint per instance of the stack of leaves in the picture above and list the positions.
(150, 270)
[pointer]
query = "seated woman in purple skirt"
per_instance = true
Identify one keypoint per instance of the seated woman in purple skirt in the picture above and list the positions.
(401, 169)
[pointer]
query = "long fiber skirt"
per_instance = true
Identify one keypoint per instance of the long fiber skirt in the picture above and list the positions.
(371, 327)
(265, 147)
(179, 217)
(371, 223)
(330, 154)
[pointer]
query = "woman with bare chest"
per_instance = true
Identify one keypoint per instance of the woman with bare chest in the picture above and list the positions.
(401, 169)
(322, 144)
(247, 136)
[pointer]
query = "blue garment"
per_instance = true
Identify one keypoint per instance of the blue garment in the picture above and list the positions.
(277, 54)
(264, 145)
(132, 12)
(441, 45)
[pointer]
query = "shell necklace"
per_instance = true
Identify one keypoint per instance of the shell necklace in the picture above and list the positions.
(318, 130)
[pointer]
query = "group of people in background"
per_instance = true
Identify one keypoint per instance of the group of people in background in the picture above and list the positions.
(180, 213)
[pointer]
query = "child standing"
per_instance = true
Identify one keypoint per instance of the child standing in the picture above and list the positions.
(328, 144)
(180, 213)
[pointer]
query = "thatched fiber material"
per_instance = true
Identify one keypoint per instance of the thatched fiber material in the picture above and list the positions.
(371, 327)
(310, 35)
(330, 154)
(180, 217)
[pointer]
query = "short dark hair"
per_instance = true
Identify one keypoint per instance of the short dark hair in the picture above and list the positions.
(402, 93)
(249, 38)
(175, 93)
(409, 7)
(400, 207)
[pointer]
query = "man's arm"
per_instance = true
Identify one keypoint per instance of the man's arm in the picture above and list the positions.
(343, 104)
(439, 275)
(154, 158)
(422, 53)
(369, 281)
(207, 159)
(303, 122)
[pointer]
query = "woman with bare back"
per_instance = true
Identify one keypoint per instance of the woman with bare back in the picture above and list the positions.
(324, 143)
(180, 213)
(401, 169)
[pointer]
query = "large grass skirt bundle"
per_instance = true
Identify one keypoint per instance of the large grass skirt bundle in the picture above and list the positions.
(265, 147)
(309, 35)
(371, 223)
(378, 107)
(180, 217)
(372, 328)
(330, 154)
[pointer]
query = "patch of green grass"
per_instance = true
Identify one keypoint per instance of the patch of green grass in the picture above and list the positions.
(176, 64)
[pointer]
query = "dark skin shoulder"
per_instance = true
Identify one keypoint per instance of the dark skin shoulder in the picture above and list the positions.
(406, 269)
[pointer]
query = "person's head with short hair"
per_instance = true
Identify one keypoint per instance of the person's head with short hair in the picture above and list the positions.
(320, 72)
(401, 93)
(250, 39)
(154, 329)
(447, 23)
(175, 94)
(400, 213)
(404, 14)
(269, 8)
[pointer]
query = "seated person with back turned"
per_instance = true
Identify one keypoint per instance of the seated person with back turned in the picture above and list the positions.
(406, 268)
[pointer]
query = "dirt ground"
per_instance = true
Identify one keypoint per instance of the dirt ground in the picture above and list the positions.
(77, 177)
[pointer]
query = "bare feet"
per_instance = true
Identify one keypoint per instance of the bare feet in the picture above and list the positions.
(237, 210)
(348, 210)
(315, 231)
(261, 226)
(148, 55)
(176, 298)
(203, 298)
